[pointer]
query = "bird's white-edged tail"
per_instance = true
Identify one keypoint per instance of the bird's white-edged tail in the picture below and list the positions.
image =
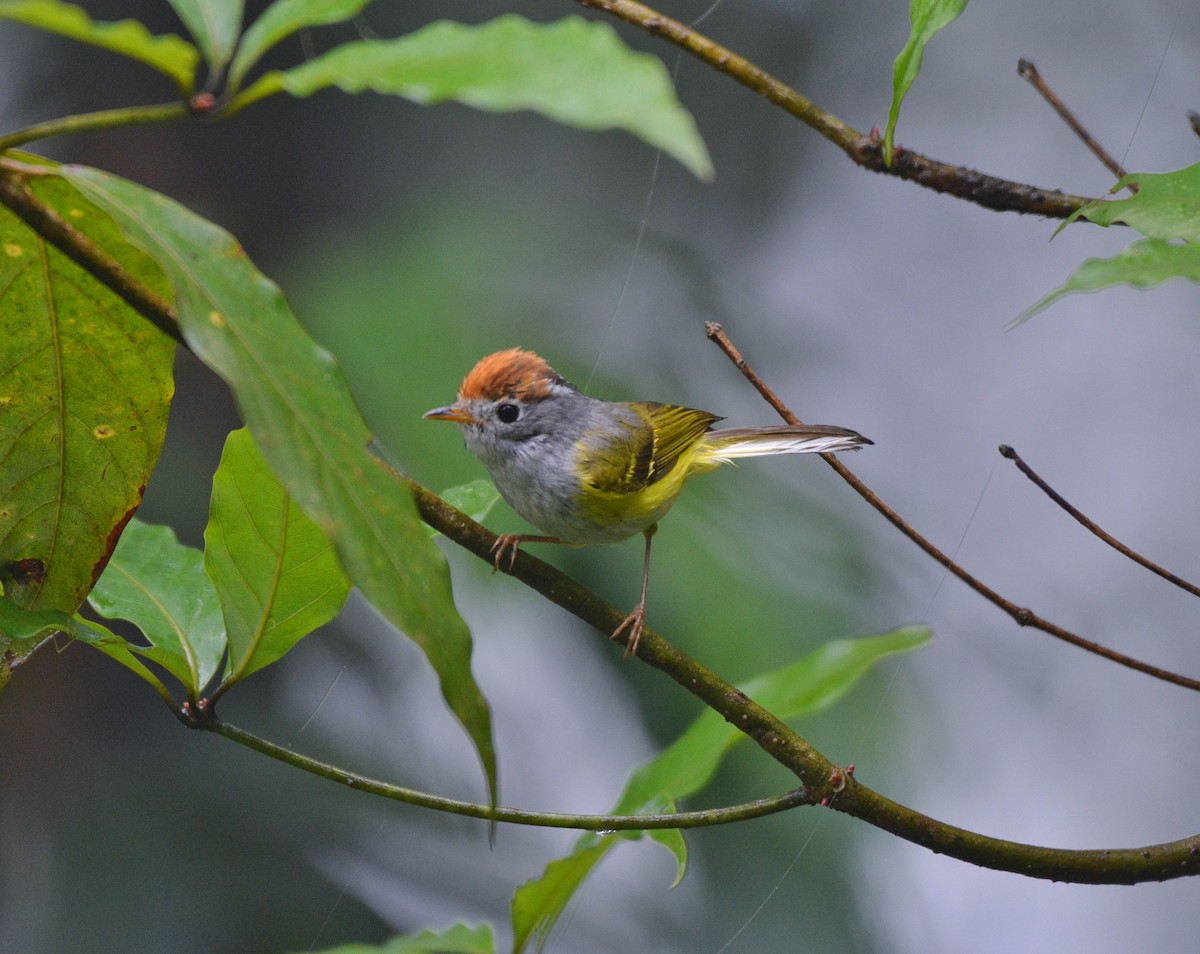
(727, 445)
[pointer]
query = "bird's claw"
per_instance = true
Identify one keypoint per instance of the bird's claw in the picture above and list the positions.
(510, 542)
(635, 622)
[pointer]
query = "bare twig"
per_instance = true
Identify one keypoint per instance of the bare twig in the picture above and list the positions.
(1027, 70)
(1091, 525)
(1022, 615)
(990, 192)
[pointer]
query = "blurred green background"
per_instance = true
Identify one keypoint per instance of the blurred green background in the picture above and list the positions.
(411, 241)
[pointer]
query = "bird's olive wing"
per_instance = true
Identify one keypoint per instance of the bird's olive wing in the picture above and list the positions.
(645, 451)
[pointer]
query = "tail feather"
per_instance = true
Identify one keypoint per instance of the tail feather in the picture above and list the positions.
(726, 445)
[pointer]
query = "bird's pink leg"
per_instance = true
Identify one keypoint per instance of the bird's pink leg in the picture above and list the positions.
(635, 622)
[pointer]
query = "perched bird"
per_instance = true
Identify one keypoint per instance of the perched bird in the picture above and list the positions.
(584, 471)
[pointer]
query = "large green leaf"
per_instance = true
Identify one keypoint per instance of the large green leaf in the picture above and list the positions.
(214, 25)
(299, 409)
(85, 388)
(275, 572)
(281, 19)
(926, 18)
(1166, 209)
(168, 54)
(574, 71)
(459, 939)
(158, 584)
(809, 685)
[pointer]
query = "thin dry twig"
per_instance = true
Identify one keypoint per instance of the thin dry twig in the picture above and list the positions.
(1027, 70)
(1093, 527)
(1022, 615)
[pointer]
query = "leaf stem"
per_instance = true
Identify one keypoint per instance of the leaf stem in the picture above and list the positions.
(103, 119)
(204, 719)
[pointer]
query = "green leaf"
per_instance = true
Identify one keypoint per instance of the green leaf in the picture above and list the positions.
(275, 572)
(459, 939)
(1166, 209)
(573, 71)
(1142, 265)
(540, 901)
(281, 19)
(810, 685)
(22, 631)
(925, 17)
(476, 498)
(158, 584)
(299, 409)
(85, 389)
(214, 25)
(168, 54)
(1166, 205)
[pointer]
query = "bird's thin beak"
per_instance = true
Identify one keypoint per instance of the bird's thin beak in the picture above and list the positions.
(455, 413)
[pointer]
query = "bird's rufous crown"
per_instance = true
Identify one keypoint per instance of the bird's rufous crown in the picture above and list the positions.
(513, 373)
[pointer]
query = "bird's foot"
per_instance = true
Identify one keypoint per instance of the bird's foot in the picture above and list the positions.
(508, 543)
(635, 622)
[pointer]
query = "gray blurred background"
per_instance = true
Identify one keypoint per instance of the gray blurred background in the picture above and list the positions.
(411, 241)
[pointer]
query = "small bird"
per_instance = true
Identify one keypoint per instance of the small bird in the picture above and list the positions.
(587, 471)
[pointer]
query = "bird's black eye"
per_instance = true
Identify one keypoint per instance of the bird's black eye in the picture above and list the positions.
(508, 413)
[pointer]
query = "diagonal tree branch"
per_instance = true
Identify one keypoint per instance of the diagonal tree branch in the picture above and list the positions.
(991, 192)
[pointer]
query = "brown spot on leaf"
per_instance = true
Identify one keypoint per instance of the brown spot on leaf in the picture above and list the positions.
(26, 571)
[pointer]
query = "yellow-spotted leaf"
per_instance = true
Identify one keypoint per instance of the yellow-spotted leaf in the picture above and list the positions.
(85, 388)
(298, 406)
(275, 572)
